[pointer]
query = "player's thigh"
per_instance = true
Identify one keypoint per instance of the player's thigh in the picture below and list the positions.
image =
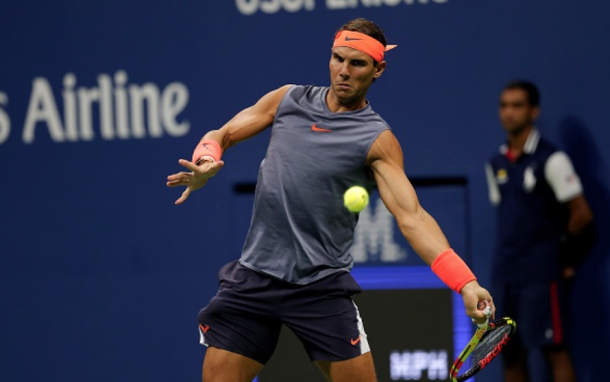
(358, 369)
(225, 366)
(241, 317)
(326, 320)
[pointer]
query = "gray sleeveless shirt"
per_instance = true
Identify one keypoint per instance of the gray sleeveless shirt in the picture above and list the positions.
(300, 230)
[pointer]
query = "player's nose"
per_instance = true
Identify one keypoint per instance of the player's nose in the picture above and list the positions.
(344, 72)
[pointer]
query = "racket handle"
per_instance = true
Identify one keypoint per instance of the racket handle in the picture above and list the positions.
(483, 325)
(486, 308)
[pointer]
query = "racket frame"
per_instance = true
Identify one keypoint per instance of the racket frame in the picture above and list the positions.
(472, 344)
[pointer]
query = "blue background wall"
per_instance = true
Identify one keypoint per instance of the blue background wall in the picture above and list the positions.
(101, 276)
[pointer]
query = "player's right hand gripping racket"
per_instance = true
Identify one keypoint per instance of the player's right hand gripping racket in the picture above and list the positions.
(487, 342)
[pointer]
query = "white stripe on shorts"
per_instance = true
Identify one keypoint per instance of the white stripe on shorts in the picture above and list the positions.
(364, 343)
(202, 337)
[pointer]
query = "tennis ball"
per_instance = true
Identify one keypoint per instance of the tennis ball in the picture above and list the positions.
(355, 199)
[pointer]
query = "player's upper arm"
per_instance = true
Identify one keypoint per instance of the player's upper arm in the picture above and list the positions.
(250, 121)
(418, 227)
(560, 175)
(385, 158)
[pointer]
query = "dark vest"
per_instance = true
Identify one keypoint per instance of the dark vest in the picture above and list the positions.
(530, 220)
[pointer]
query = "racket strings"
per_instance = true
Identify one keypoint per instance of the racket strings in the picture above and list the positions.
(486, 345)
(489, 342)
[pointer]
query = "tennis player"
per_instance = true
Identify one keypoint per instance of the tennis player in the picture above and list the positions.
(295, 263)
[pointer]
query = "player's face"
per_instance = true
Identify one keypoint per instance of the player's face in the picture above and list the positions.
(516, 113)
(351, 74)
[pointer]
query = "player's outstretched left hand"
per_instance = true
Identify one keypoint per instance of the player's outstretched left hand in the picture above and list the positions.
(472, 293)
(194, 179)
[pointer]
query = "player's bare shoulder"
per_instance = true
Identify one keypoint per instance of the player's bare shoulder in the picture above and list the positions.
(386, 147)
(278, 94)
(281, 91)
(269, 103)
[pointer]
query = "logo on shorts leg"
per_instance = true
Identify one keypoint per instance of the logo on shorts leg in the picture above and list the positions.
(204, 328)
(355, 342)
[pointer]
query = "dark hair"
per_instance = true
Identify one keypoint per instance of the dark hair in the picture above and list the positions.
(366, 27)
(533, 95)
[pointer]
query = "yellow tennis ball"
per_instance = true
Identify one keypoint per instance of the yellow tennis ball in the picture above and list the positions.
(355, 199)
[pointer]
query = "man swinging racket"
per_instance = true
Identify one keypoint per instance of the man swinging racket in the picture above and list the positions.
(295, 265)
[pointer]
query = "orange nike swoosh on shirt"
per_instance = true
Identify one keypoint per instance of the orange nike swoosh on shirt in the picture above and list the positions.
(204, 328)
(319, 129)
(354, 342)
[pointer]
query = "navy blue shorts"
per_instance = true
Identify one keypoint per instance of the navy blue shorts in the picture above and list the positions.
(249, 309)
(538, 310)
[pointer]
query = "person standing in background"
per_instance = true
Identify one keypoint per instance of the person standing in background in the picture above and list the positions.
(544, 231)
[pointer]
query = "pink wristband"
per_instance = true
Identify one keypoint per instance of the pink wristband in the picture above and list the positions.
(207, 149)
(454, 272)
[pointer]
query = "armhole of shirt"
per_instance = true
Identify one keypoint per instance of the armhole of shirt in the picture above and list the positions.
(282, 101)
(368, 149)
(561, 177)
(494, 191)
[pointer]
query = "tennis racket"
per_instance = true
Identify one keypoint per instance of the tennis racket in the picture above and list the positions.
(486, 343)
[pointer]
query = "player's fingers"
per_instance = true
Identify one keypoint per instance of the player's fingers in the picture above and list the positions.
(477, 309)
(478, 317)
(484, 311)
(184, 196)
(190, 165)
(491, 312)
(179, 176)
(180, 181)
(210, 168)
(487, 309)
(479, 320)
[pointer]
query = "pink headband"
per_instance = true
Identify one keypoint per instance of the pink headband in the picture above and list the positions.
(363, 43)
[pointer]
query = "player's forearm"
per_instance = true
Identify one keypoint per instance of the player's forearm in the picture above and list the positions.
(580, 219)
(250, 121)
(246, 124)
(428, 240)
(233, 132)
(424, 235)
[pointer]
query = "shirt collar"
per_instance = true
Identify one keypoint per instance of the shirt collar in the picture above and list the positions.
(532, 141)
(530, 144)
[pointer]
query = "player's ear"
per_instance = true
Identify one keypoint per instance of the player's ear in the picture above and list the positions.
(379, 68)
(535, 113)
